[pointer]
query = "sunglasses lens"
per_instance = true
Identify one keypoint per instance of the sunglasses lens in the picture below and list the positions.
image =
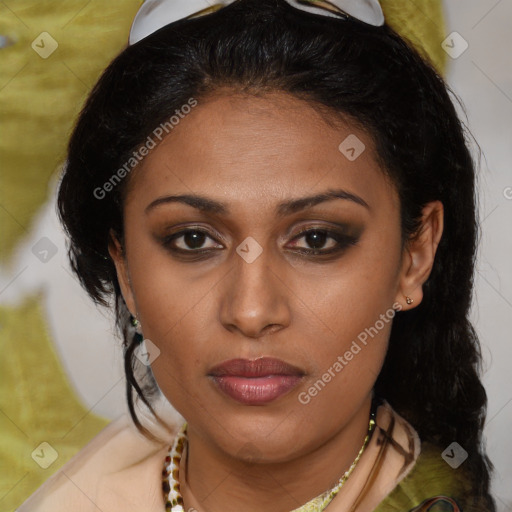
(155, 14)
(323, 4)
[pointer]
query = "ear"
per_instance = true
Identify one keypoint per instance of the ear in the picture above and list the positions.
(118, 256)
(419, 253)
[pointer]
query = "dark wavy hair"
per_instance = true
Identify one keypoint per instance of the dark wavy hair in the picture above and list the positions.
(369, 75)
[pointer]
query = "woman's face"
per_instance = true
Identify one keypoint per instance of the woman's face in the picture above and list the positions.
(251, 233)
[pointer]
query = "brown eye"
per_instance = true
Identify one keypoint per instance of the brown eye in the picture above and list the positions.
(191, 240)
(322, 241)
(317, 239)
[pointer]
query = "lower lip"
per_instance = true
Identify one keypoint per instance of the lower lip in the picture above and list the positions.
(256, 390)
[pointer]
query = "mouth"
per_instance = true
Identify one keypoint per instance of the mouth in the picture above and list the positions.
(255, 382)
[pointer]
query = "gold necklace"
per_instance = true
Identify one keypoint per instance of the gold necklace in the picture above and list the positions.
(171, 486)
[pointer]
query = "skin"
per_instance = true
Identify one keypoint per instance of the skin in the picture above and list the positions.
(252, 154)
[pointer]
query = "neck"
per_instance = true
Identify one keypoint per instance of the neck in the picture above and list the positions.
(214, 481)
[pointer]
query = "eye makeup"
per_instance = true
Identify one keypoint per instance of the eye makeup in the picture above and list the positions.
(318, 240)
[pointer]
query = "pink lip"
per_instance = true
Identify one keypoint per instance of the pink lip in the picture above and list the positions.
(256, 382)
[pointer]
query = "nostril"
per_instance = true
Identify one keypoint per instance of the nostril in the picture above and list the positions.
(272, 328)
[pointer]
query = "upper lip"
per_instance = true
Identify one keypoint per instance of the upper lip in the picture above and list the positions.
(260, 367)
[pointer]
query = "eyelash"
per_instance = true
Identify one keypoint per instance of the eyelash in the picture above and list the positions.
(342, 240)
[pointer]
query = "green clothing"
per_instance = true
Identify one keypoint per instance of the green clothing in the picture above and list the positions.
(430, 477)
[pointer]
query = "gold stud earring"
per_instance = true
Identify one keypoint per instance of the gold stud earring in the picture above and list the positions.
(408, 299)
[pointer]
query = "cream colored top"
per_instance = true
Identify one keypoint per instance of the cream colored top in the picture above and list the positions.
(121, 471)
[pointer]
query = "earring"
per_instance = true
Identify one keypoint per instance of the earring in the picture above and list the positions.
(136, 324)
(408, 299)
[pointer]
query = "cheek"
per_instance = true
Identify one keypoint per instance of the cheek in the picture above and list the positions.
(178, 310)
(348, 319)
(353, 295)
(346, 346)
(174, 303)
(176, 313)
(165, 291)
(346, 341)
(180, 325)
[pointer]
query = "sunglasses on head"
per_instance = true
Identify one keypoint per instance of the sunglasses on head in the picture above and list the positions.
(155, 14)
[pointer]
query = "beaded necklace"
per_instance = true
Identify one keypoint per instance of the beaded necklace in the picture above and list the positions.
(171, 487)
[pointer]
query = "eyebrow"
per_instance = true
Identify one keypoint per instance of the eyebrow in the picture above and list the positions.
(285, 208)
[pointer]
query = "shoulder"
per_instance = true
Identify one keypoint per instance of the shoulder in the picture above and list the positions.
(431, 483)
(118, 470)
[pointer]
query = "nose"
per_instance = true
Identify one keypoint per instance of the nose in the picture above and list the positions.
(255, 300)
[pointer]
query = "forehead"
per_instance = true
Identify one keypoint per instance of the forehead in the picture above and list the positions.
(239, 147)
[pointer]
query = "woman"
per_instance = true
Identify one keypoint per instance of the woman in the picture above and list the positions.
(279, 198)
